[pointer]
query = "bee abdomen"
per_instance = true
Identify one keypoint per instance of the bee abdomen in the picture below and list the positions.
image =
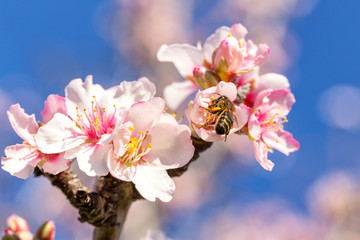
(224, 124)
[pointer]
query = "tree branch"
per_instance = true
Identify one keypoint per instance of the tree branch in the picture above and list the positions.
(107, 207)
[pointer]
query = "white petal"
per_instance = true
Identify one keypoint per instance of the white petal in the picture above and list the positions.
(177, 92)
(184, 56)
(153, 182)
(23, 124)
(171, 145)
(118, 169)
(20, 161)
(128, 93)
(92, 159)
(53, 104)
(59, 135)
(213, 41)
(80, 94)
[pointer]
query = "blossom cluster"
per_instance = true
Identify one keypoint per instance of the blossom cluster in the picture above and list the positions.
(232, 95)
(123, 130)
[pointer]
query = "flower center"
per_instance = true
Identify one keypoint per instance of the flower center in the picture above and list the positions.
(95, 121)
(134, 150)
(272, 119)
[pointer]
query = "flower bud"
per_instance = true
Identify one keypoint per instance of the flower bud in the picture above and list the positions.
(229, 56)
(46, 231)
(205, 78)
(17, 224)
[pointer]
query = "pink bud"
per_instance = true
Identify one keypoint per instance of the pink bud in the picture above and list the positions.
(17, 224)
(46, 231)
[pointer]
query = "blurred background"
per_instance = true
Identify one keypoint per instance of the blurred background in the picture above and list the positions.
(312, 194)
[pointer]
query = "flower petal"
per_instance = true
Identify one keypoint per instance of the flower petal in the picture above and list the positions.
(242, 114)
(56, 164)
(59, 135)
(20, 160)
(118, 169)
(23, 124)
(80, 94)
(145, 114)
(153, 182)
(226, 89)
(92, 159)
(53, 104)
(171, 145)
(254, 127)
(261, 152)
(184, 57)
(238, 31)
(177, 92)
(213, 41)
(281, 140)
(128, 93)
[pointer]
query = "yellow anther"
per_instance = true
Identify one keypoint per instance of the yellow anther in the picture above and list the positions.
(114, 106)
(212, 98)
(285, 120)
(94, 110)
(149, 145)
(92, 102)
(89, 115)
(93, 96)
(174, 114)
(229, 35)
(143, 149)
(103, 109)
(84, 109)
(240, 42)
(77, 108)
(131, 128)
(165, 108)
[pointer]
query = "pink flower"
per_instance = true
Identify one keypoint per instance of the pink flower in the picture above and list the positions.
(86, 131)
(266, 81)
(21, 159)
(204, 122)
(235, 55)
(146, 145)
(265, 125)
(232, 55)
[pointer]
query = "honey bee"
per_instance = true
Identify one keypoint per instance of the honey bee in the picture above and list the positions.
(224, 111)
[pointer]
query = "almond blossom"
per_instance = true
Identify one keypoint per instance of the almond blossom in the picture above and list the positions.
(17, 228)
(265, 125)
(146, 145)
(21, 159)
(204, 122)
(224, 55)
(86, 131)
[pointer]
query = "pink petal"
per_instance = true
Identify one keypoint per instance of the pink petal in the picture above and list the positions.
(184, 57)
(242, 114)
(227, 89)
(282, 98)
(53, 104)
(56, 164)
(254, 127)
(238, 31)
(153, 182)
(213, 41)
(92, 159)
(261, 152)
(24, 125)
(59, 135)
(145, 114)
(281, 140)
(171, 146)
(20, 161)
(177, 92)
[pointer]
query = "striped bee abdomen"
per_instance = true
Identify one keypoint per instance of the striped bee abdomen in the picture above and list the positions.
(224, 123)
